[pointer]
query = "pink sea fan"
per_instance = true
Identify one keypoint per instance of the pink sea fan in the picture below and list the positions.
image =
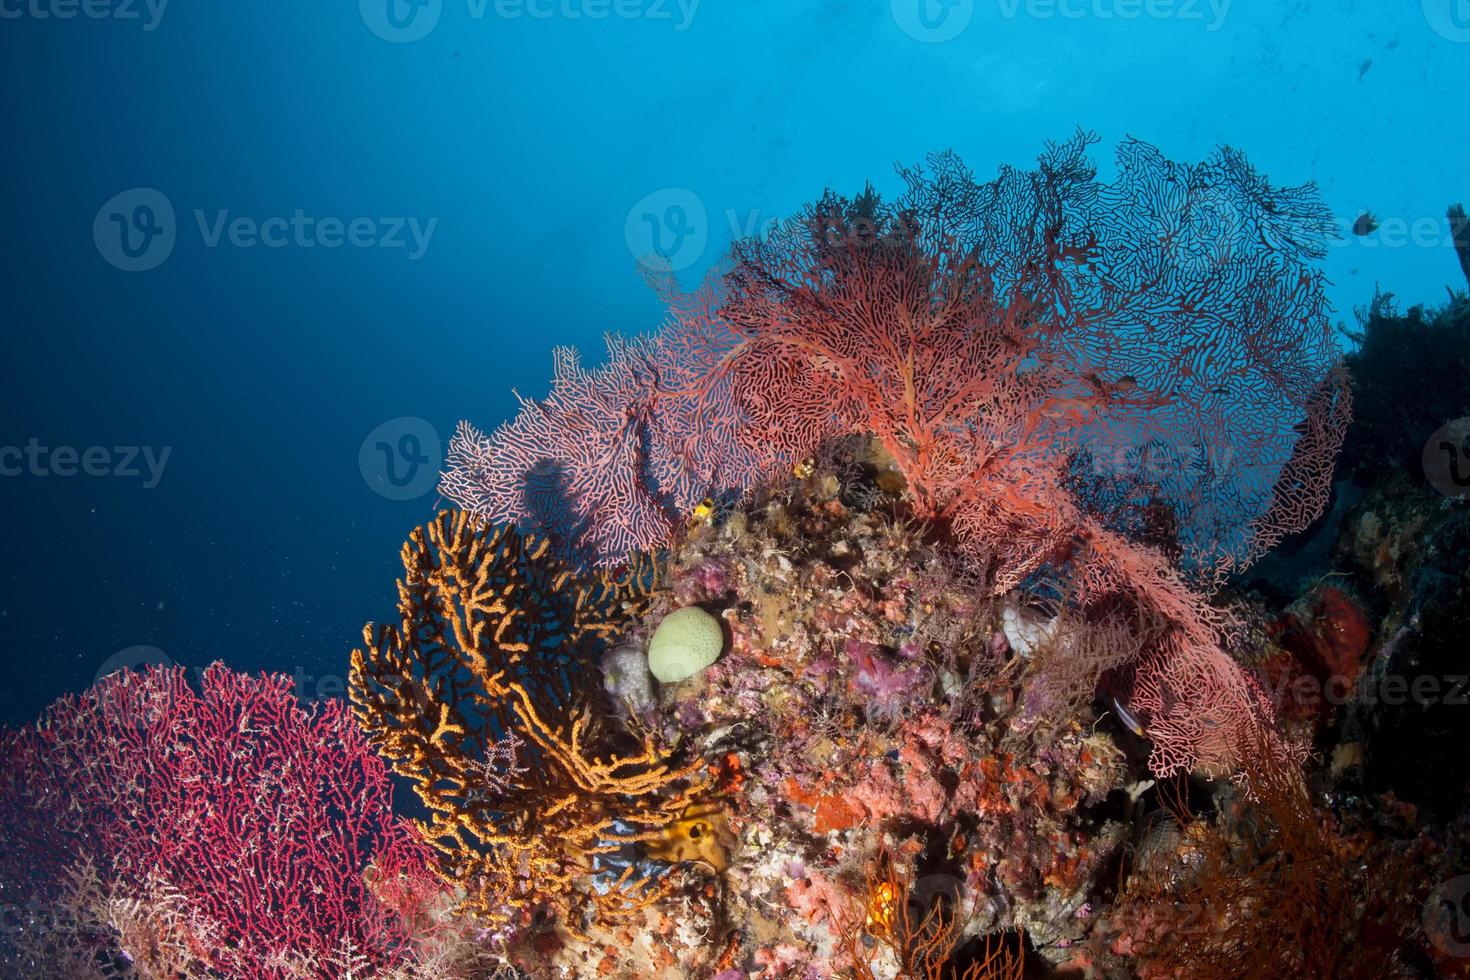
(575, 465)
(1158, 341)
(607, 462)
(262, 816)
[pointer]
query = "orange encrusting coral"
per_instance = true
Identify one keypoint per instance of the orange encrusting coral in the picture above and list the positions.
(480, 694)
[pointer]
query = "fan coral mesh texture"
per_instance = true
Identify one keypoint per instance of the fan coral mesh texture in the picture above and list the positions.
(1166, 325)
(1133, 382)
(235, 802)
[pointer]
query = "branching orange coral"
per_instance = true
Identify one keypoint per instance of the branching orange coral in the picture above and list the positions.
(925, 942)
(483, 694)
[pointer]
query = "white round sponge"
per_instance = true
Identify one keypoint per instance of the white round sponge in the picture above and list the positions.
(685, 643)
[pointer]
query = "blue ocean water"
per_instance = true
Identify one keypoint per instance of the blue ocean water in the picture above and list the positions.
(254, 243)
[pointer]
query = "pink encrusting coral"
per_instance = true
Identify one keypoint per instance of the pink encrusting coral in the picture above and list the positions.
(867, 704)
(264, 822)
(1131, 386)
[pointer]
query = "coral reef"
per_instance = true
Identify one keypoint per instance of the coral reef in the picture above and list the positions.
(874, 715)
(483, 695)
(970, 476)
(1273, 889)
(870, 700)
(1401, 548)
(1350, 868)
(882, 616)
(911, 777)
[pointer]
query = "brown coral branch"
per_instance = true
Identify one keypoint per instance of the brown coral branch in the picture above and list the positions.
(1269, 888)
(1460, 234)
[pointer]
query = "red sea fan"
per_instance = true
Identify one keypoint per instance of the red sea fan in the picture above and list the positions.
(1160, 338)
(1129, 387)
(1162, 332)
(260, 816)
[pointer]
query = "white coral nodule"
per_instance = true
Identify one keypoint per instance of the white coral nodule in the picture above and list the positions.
(685, 643)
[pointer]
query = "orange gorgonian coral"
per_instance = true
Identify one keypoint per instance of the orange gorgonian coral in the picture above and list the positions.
(483, 694)
(924, 939)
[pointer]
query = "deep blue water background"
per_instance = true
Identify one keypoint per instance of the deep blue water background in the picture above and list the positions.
(530, 140)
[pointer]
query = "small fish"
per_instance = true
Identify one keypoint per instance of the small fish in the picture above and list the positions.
(1126, 717)
(703, 509)
(1363, 68)
(702, 835)
(1107, 388)
(1366, 224)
